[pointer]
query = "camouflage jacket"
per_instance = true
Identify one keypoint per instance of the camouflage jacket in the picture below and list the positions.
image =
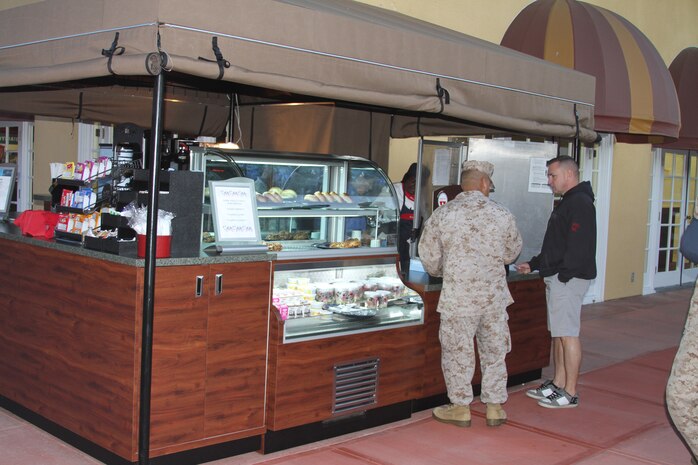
(468, 241)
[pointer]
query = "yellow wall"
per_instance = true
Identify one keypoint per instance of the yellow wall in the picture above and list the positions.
(56, 140)
(627, 235)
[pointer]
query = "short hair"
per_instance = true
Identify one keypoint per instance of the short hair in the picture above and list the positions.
(565, 162)
(471, 177)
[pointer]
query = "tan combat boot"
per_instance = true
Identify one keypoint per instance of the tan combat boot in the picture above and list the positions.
(458, 415)
(496, 415)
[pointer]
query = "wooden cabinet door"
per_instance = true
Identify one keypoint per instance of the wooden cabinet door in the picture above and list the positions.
(179, 356)
(237, 347)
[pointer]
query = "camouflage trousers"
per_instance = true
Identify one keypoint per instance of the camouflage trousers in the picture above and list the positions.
(456, 334)
(682, 388)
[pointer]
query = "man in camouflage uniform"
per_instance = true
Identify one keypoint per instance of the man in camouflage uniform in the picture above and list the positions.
(682, 388)
(468, 241)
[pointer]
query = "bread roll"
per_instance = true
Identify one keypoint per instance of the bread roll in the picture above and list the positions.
(310, 198)
(275, 190)
(321, 196)
(351, 243)
(288, 194)
(261, 198)
(346, 198)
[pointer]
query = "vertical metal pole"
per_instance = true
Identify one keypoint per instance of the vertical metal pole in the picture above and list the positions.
(418, 202)
(149, 274)
(230, 137)
(577, 142)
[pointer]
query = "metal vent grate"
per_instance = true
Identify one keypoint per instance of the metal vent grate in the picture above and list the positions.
(355, 385)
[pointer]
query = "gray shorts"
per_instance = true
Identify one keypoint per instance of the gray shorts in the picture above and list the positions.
(564, 305)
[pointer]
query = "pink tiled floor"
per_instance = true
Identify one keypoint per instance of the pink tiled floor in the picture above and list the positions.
(628, 344)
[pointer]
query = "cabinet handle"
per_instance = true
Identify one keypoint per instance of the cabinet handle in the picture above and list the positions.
(199, 286)
(219, 284)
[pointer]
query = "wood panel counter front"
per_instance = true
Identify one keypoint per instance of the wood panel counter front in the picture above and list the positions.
(301, 374)
(530, 339)
(71, 341)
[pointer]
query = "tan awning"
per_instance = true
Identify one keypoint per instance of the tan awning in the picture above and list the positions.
(333, 49)
(187, 111)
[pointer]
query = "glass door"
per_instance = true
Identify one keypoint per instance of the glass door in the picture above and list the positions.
(17, 147)
(9, 153)
(678, 192)
(439, 166)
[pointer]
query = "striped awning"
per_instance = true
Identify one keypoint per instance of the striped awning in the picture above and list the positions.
(635, 95)
(684, 72)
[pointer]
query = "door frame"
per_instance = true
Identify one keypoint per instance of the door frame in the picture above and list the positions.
(602, 193)
(654, 223)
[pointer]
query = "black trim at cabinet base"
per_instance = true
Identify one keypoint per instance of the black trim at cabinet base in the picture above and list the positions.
(189, 457)
(522, 378)
(210, 453)
(441, 399)
(272, 441)
(284, 439)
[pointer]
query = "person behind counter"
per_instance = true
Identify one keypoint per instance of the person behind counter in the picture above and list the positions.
(405, 194)
(468, 241)
(264, 180)
(361, 188)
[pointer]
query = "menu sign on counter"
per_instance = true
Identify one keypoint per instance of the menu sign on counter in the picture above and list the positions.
(7, 182)
(235, 221)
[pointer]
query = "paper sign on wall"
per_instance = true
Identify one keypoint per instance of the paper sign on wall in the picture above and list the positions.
(538, 176)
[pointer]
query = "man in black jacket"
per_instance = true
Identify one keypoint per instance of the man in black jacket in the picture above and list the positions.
(567, 262)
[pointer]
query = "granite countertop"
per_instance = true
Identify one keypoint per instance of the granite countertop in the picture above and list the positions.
(11, 232)
(420, 280)
(426, 282)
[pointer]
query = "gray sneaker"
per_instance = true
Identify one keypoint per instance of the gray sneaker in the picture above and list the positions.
(542, 391)
(559, 399)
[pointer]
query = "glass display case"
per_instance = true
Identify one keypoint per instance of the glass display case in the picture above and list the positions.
(337, 297)
(309, 205)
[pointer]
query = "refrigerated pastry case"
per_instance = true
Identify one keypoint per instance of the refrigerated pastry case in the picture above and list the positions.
(320, 299)
(309, 205)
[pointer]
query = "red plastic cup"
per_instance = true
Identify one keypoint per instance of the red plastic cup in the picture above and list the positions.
(162, 246)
